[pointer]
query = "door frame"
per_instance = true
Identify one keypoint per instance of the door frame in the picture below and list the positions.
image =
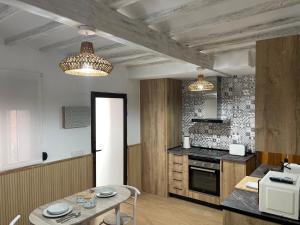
(95, 95)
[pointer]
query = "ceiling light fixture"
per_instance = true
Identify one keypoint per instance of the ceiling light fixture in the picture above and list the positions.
(201, 84)
(86, 63)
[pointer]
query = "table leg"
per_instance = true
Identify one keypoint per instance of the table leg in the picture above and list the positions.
(118, 217)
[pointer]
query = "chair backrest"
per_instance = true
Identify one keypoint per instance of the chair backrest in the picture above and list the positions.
(14, 221)
(134, 194)
(133, 190)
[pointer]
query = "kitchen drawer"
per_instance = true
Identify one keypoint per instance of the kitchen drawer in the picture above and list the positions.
(177, 184)
(177, 176)
(177, 159)
(178, 192)
(177, 168)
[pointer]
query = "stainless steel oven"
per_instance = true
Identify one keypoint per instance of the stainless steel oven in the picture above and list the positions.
(204, 175)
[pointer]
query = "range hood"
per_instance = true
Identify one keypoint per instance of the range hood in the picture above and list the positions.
(207, 120)
(211, 108)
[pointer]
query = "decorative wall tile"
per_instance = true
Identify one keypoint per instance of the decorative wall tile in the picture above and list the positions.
(236, 104)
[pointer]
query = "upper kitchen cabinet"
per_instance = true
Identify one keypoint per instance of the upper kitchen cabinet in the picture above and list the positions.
(278, 95)
(160, 130)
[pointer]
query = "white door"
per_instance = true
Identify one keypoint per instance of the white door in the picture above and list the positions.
(109, 138)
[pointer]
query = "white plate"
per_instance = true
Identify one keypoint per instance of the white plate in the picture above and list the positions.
(58, 208)
(105, 190)
(100, 195)
(46, 214)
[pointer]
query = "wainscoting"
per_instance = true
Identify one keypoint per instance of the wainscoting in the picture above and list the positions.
(135, 166)
(23, 190)
(275, 158)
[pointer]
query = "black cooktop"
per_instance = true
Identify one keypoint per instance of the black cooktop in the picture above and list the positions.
(208, 153)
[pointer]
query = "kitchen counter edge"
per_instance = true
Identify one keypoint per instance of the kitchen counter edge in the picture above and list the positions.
(246, 203)
(231, 158)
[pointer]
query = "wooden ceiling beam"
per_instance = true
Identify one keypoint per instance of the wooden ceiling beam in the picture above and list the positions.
(136, 59)
(118, 4)
(295, 30)
(65, 43)
(123, 54)
(233, 16)
(114, 26)
(32, 33)
(144, 60)
(216, 37)
(102, 49)
(184, 9)
(229, 48)
(129, 57)
(108, 48)
(7, 11)
(147, 63)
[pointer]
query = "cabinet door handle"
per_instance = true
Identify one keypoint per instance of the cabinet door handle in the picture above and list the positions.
(221, 165)
(201, 169)
(176, 188)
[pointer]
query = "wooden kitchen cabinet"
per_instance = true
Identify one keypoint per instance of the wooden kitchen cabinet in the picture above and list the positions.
(178, 174)
(160, 130)
(179, 180)
(277, 118)
(232, 173)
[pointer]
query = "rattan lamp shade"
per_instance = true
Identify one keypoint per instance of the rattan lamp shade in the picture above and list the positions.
(86, 63)
(201, 85)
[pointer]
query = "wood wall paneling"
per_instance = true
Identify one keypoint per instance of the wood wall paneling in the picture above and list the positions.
(25, 189)
(160, 130)
(278, 95)
(135, 166)
(276, 158)
(251, 165)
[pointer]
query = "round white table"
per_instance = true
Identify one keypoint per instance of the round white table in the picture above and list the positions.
(103, 205)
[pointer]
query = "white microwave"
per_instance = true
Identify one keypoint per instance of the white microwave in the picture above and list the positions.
(278, 198)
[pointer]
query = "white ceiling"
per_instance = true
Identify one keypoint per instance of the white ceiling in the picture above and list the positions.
(216, 27)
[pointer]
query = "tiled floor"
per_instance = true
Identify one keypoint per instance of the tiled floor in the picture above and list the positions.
(154, 210)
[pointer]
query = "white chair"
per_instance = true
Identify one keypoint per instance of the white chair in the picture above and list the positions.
(125, 218)
(15, 220)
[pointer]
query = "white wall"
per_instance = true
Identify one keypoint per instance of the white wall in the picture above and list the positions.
(60, 90)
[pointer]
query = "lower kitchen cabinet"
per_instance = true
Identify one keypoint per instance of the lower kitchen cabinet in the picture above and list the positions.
(232, 218)
(179, 180)
(178, 174)
(232, 173)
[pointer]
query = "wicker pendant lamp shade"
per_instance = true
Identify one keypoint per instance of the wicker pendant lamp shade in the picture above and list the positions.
(200, 84)
(86, 63)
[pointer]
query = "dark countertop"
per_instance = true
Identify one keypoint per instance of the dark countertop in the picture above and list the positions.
(236, 158)
(227, 157)
(179, 150)
(246, 203)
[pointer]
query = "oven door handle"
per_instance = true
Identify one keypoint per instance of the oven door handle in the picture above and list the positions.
(201, 169)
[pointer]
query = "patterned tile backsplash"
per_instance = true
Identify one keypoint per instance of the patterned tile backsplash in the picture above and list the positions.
(236, 104)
